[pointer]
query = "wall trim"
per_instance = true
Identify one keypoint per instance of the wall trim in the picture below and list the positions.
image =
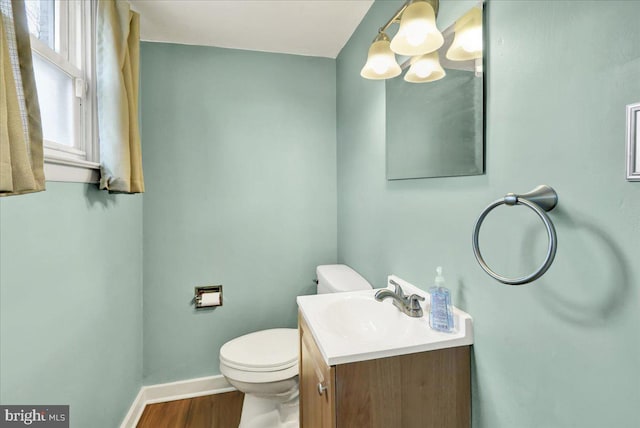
(54, 171)
(179, 390)
(135, 411)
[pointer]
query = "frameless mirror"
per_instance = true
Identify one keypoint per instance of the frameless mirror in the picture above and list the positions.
(436, 129)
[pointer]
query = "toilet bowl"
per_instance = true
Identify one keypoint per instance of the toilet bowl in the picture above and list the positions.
(264, 364)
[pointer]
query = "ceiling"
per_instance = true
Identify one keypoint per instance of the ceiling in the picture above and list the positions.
(301, 27)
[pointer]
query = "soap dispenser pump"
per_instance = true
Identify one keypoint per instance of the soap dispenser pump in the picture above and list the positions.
(441, 309)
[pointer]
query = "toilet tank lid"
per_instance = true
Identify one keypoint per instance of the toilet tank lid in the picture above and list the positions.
(266, 350)
(341, 278)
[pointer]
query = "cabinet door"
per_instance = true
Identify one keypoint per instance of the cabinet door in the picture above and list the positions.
(317, 391)
(423, 390)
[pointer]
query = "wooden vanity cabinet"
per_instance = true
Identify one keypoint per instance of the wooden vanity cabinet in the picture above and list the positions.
(422, 390)
(317, 383)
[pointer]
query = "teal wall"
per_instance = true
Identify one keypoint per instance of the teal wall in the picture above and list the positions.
(240, 162)
(565, 350)
(71, 301)
(240, 171)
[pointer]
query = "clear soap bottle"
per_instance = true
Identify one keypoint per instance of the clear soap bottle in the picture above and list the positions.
(441, 309)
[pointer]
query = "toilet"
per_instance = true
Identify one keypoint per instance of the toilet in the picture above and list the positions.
(264, 364)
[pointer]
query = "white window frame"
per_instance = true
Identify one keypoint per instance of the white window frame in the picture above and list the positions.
(75, 56)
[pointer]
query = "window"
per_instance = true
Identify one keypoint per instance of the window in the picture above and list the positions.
(62, 45)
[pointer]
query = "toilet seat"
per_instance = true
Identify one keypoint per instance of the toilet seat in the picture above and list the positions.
(262, 356)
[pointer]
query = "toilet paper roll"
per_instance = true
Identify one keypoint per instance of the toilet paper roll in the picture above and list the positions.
(210, 299)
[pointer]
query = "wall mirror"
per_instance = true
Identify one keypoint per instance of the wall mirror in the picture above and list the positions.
(436, 129)
(633, 142)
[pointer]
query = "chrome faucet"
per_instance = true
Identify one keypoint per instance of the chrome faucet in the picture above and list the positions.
(409, 305)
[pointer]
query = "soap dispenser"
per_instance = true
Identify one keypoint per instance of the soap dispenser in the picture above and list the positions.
(441, 309)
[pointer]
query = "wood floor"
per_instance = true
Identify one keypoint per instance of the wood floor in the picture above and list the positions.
(210, 411)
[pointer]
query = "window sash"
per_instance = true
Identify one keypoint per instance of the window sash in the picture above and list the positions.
(75, 57)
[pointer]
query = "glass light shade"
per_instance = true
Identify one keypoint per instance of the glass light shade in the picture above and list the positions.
(381, 62)
(425, 68)
(467, 43)
(418, 33)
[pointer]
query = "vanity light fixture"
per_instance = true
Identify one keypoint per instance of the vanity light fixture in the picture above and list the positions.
(419, 38)
(381, 62)
(425, 68)
(467, 43)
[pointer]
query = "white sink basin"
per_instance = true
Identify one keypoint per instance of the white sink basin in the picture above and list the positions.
(361, 318)
(353, 326)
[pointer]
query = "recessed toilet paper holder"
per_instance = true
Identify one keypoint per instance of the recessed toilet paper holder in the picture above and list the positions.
(208, 296)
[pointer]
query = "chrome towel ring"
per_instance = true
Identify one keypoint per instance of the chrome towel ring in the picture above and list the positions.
(542, 198)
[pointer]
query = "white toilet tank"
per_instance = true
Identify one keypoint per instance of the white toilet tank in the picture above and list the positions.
(338, 278)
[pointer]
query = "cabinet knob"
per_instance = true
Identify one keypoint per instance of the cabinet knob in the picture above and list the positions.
(321, 388)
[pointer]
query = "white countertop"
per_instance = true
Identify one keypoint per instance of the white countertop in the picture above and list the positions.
(352, 326)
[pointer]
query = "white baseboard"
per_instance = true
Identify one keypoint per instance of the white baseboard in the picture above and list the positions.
(163, 392)
(135, 411)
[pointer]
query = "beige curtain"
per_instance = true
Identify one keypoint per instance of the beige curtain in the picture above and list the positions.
(117, 72)
(21, 161)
